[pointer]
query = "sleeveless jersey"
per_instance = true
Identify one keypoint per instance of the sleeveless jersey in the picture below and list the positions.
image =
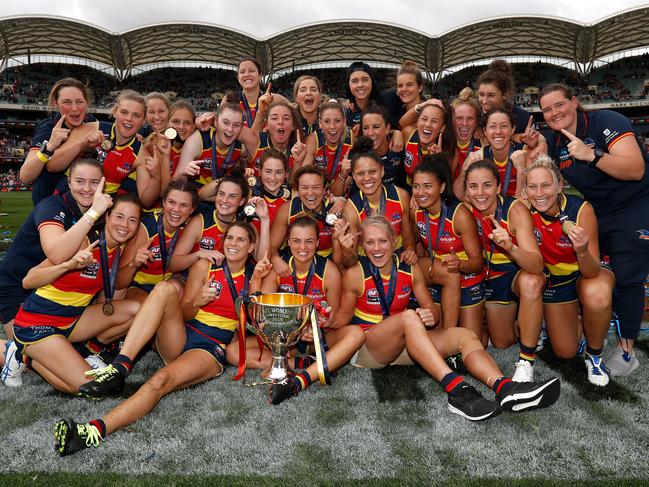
(368, 311)
(205, 175)
(325, 231)
(316, 289)
(264, 144)
(448, 239)
(502, 166)
(273, 204)
(212, 233)
(330, 159)
(393, 211)
(414, 154)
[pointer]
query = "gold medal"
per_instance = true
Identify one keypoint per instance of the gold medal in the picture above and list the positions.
(331, 218)
(170, 133)
(286, 193)
(566, 226)
(108, 309)
(252, 181)
(107, 144)
(249, 209)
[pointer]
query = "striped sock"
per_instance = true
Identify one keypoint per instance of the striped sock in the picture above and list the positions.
(527, 353)
(500, 383)
(123, 364)
(450, 381)
(94, 346)
(303, 380)
(101, 426)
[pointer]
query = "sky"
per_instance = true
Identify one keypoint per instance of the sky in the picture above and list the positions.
(263, 18)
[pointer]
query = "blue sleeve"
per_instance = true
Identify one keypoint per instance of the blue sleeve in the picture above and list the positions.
(521, 117)
(106, 128)
(50, 209)
(607, 126)
(42, 132)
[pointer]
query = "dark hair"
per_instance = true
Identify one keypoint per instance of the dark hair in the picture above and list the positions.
(67, 83)
(125, 198)
(487, 164)
(375, 94)
(229, 102)
(410, 67)
(86, 161)
(295, 118)
(272, 153)
(374, 109)
(304, 222)
(565, 91)
(438, 166)
(493, 111)
(247, 226)
(183, 185)
(309, 169)
(363, 147)
(253, 61)
(245, 189)
(182, 104)
(499, 73)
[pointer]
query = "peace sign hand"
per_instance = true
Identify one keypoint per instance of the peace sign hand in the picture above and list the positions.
(577, 148)
(82, 258)
(531, 136)
(437, 148)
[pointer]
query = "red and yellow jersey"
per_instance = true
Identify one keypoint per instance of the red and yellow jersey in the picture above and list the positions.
(118, 164)
(230, 154)
(60, 303)
(325, 231)
(212, 233)
(507, 185)
(392, 211)
(264, 144)
(463, 151)
(498, 260)
(151, 273)
(174, 158)
(556, 248)
(316, 290)
(273, 204)
(368, 310)
(414, 154)
(448, 239)
(221, 311)
(327, 157)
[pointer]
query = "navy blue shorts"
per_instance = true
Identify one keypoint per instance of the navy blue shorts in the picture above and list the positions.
(28, 335)
(561, 289)
(498, 290)
(209, 338)
(469, 296)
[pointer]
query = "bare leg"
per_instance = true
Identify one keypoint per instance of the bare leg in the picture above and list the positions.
(596, 297)
(561, 323)
(192, 367)
(471, 318)
(529, 288)
(56, 360)
(343, 343)
(500, 322)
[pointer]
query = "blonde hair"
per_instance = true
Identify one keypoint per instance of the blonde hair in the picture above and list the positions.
(129, 95)
(381, 222)
(466, 97)
(156, 95)
(544, 162)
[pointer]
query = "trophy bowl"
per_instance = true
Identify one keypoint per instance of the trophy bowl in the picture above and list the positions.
(277, 319)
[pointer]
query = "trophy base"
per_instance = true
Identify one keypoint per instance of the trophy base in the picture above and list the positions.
(278, 372)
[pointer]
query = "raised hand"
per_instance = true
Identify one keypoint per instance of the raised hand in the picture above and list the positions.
(531, 136)
(579, 238)
(500, 236)
(142, 256)
(437, 148)
(263, 267)
(519, 159)
(82, 258)
(451, 262)
(298, 151)
(101, 201)
(58, 136)
(214, 256)
(207, 295)
(577, 148)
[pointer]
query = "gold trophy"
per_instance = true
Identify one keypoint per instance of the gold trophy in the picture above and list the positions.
(278, 319)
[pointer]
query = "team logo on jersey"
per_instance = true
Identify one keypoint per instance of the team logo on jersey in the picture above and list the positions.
(537, 234)
(207, 243)
(395, 218)
(60, 217)
(286, 288)
(217, 286)
(156, 252)
(643, 234)
(372, 296)
(321, 161)
(408, 159)
(590, 142)
(90, 271)
(564, 242)
(422, 229)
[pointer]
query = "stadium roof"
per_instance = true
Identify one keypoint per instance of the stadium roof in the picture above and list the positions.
(323, 43)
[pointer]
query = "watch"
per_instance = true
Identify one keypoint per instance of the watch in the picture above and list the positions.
(599, 153)
(44, 150)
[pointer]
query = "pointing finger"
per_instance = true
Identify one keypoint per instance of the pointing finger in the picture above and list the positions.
(100, 186)
(59, 124)
(569, 135)
(530, 122)
(90, 247)
(268, 88)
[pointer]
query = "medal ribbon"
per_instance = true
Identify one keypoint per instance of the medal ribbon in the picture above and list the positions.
(320, 347)
(308, 280)
(499, 215)
(165, 254)
(368, 208)
(337, 154)
(386, 303)
(440, 231)
(216, 172)
(109, 276)
(241, 369)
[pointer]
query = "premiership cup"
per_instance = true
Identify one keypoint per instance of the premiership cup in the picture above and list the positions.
(278, 320)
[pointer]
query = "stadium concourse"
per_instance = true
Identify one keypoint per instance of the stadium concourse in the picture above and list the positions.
(224, 129)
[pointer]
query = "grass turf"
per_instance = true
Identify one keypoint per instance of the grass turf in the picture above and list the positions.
(16, 205)
(382, 426)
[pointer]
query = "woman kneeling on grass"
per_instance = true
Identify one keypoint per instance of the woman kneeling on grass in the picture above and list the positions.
(375, 294)
(59, 312)
(192, 338)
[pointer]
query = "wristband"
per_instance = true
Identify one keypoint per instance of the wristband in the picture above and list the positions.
(417, 108)
(93, 215)
(89, 219)
(42, 157)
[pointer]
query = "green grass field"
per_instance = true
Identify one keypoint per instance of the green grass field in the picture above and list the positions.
(379, 428)
(17, 206)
